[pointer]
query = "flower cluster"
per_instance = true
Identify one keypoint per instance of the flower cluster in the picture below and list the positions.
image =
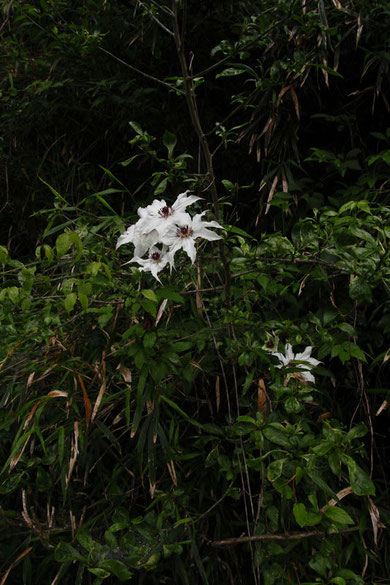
(164, 229)
(303, 362)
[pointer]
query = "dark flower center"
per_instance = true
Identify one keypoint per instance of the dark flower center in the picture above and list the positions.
(165, 211)
(270, 344)
(184, 232)
(156, 257)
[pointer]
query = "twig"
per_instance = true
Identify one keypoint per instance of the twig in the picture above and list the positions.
(293, 536)
(154, 17)
(155, 79)
(189, 92)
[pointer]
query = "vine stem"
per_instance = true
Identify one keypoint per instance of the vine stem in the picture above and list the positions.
(293, 536)
(189, 91)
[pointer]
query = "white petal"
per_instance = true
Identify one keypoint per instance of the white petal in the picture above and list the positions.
(283, 360)
(188, 245)
(127, 236)
(289, 352)
(308, 377)
(304, 355)
(206, 235)
(183, 200)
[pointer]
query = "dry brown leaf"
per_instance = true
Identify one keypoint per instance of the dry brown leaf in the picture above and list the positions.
(271, 193)
(23, 554)
(160, 312)
(75, 451)
(126, 374)
(262, 398)
(217, 393)
(87, 402)
(382, 407)
(30, 379)
(375, 519)
(340, 495)
(101, 391)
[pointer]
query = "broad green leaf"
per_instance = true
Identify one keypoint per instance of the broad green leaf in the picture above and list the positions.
(66, 552)
(360, 290)
(361, 483)
(85, 539)
(277, 436)
(338, 515)
(149, 339)
(13, 294)
(275, 469)
(150, 294)
(70, 301)
(65, 240)
(117, 568)
(292, 405)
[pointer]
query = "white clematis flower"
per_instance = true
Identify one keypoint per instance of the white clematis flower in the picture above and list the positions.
(303, 361)
(142, 242)
(182, 235)
(153, 222)
(156, 261)
(159, 216)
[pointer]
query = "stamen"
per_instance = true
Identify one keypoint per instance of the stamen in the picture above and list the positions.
(184, 232)
(165, 211)
(156, 257)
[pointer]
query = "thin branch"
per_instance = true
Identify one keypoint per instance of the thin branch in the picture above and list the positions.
(189, 91)
(293, 536)
(154, 17)
(155, 79)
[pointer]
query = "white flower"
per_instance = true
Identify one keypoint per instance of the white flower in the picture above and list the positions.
(303, 361)
(142, 242)
(153, 222)
(156, 261)
(271, 342)
(183, 234)
(158, 216)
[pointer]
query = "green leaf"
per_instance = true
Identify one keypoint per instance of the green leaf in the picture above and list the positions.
(305, 518)
(292, 405)
(361, 482)
(274, 470)
(66, 552)
(150, 294)
(300, 514)
(360, 290)
(169, 141)
(85, 539)
(3, 255)
(70, 301)
(161, 187)
(101, 573)
(276, 435)
(229, 72)
(338, 515)
(65, 240)
(55, 193)
(356, 432)
(10, 483)
(170, 294)
(83, 300)
(117, 568)
(13, 294)
(149, 340)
